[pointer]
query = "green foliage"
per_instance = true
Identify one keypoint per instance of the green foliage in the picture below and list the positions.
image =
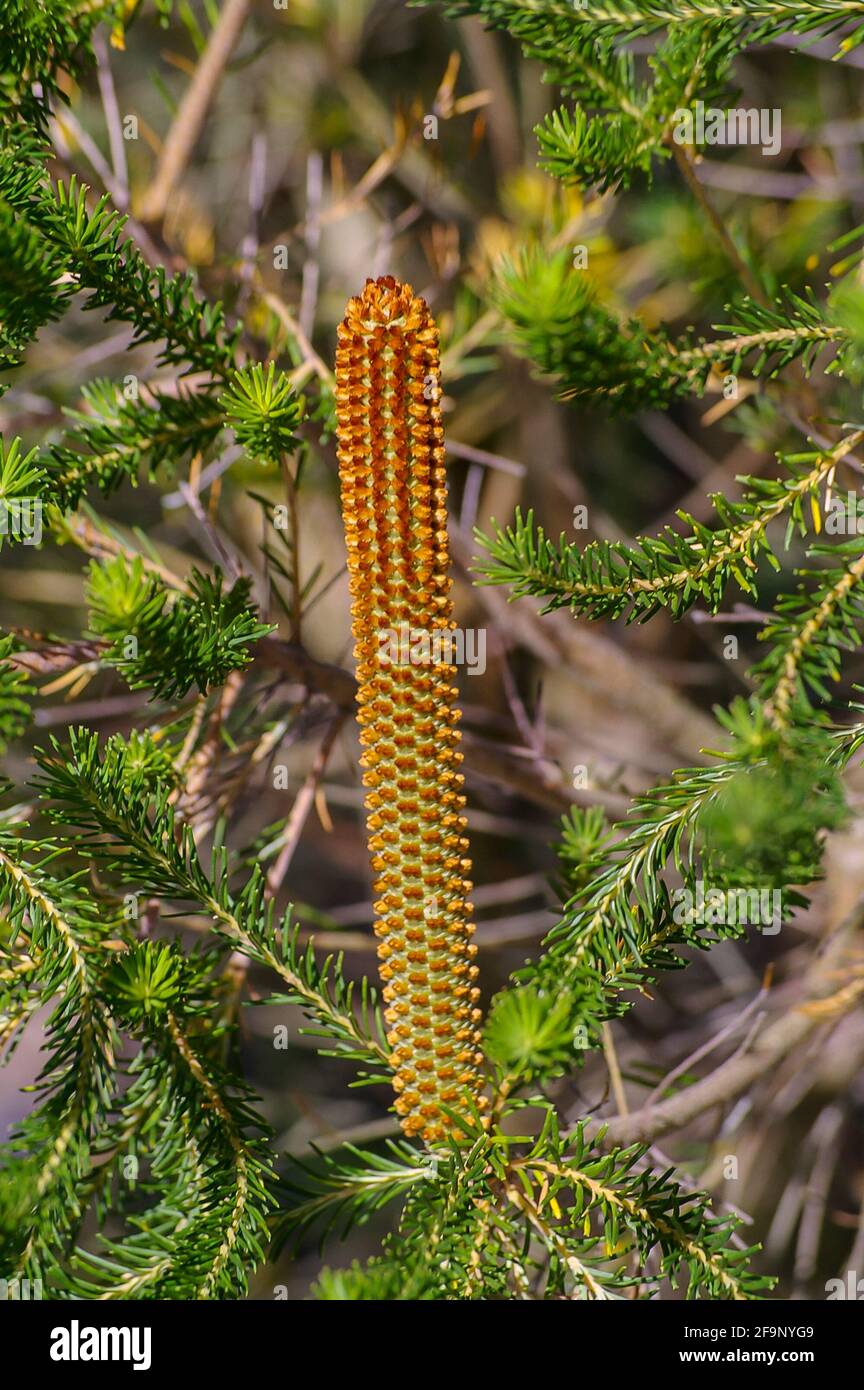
(161, 308)
(89, 244)
(584, 834)
(338, 1193)
(145, 981)
(559, 323)
(55, 925)
(749, 21)
(766, 824)
(108, 798)
(630, 124)
(29, 291)
(812, 628)
(625, 927)
(170, 642)
(566, 1214)
(378, 1282)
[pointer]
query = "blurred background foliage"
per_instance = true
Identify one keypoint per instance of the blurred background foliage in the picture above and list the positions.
(352, 138)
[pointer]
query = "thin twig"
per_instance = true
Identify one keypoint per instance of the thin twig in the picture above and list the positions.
(824, 1002)
(683, 159)
(188, 123)
(116, 143)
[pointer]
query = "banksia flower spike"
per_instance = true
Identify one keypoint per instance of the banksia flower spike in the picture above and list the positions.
(391, 466)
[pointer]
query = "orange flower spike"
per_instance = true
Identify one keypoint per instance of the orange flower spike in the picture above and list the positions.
(394, 492)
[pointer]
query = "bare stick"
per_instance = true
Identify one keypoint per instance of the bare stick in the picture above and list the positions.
(836, 985)
(685, 164)
(186, 128)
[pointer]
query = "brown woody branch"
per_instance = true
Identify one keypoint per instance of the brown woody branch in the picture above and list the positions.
(835, 984)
